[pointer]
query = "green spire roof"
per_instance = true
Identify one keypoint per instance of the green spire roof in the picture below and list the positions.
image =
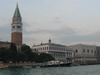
(17, 12)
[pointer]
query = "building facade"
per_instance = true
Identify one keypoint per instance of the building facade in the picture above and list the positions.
(59, 52)
(84, 54)
(98, 54)
(16, 31)
(5, 44)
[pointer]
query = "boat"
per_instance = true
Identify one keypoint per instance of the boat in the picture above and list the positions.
(56, 64)
(26, 66)
(4, 67)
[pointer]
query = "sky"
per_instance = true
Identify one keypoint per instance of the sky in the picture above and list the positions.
(65, 22)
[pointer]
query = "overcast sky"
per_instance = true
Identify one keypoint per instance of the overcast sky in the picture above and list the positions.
(64, 21)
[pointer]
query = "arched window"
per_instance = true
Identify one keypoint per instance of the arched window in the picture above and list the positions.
(91, 51)
(95, 52)
(13, 26)
(88, 51)
(18, 26)
(47, 48)
(76, 51)
(83, 50)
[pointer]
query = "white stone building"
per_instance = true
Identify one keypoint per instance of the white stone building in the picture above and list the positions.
(59, 52)
(84, 54)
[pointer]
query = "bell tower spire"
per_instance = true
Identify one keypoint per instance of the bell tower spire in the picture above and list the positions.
(16, 31)
(17, 12)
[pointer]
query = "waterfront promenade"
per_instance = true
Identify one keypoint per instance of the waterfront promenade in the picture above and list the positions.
(21, 65)
(33, 65)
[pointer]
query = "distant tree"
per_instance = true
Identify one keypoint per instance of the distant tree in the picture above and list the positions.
(12, 53)
(25, 54)
(26, 49)
(21, 56)
(44, 57)
(13, 47)
(3, 54)
(33, 57)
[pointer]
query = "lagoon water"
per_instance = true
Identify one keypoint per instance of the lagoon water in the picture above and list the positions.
(76, 70)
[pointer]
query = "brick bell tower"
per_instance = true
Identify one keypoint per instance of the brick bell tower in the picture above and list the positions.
(16, 31)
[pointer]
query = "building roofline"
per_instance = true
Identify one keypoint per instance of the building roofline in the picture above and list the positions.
(49, 44)
(82, 44)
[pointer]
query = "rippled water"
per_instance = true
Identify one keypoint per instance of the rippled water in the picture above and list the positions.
(77, 70)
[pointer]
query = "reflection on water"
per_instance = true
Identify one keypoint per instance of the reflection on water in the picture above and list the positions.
(15, 71)
(77, 70)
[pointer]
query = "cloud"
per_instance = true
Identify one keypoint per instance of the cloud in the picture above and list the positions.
(37, 38)
(4, 22)
(44, 35)
(62, 36)
(5, 33)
